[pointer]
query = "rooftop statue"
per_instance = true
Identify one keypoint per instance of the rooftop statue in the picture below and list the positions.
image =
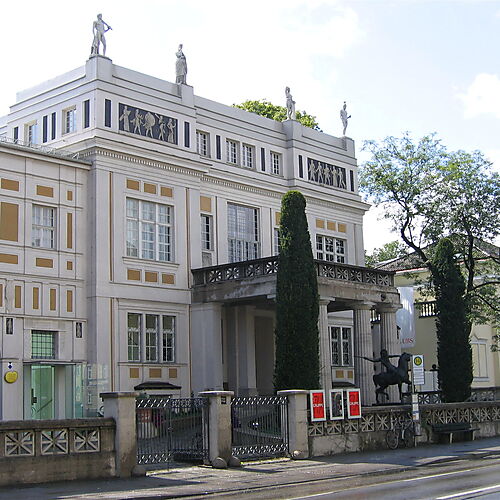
(344, 117)
(180, 66)
(290, 105)
(99, 28)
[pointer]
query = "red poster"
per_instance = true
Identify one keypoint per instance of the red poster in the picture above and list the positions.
(353, 403)
(318, 409)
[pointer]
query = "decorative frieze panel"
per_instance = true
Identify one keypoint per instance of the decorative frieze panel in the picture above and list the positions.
(326, 174)
(86, 440)
(54, 442)
(141, 122)
(21, 443)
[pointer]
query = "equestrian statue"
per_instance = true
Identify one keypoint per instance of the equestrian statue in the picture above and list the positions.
(393, 374)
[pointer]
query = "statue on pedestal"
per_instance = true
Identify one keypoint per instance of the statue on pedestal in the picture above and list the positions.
(180, 66)
(99, 27)
(344, 117)
(394, 375)
(290, 105)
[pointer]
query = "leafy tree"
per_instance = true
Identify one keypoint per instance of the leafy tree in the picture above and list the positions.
(429, 193)
(297, 301)
(391, 250)
(452, 327)
(278, 113)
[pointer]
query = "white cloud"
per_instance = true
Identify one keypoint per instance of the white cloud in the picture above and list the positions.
(482, 96)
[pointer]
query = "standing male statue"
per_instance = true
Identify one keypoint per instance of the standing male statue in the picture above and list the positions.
(290, 105)
(99, 28)
(344, 117)
(181, 68)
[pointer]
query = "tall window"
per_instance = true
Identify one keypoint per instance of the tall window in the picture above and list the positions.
(69, 120)
(202, 143)
(479, 357)
(43, 345)
(43, 231)
(243, 233)
(276, 241)
(31, 133)
(341, 343)
(247, 157)
(231, 151)
(330, 249)
(151, 338)
(149, 230)
(275, 163)
(206, 232)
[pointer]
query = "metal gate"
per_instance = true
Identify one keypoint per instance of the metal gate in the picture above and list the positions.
(171, 429)
(260, 426)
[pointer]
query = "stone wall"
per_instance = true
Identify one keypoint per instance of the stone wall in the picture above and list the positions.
(37, 451)
(368, 432)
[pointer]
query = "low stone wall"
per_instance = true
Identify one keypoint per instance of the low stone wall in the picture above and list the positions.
(37, 451)
(368, 432)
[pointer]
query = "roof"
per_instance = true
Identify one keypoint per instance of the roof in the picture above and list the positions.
(156, 385)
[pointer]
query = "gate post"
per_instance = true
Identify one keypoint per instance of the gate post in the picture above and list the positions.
(298, 441)
(121, 407)
(219, 427)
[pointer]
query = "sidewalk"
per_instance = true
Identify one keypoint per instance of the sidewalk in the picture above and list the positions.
(201, 480)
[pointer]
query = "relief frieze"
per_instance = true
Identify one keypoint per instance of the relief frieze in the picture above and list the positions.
(324, 173)
(141, 122)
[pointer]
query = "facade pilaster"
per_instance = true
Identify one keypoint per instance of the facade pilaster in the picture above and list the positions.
(363, 347)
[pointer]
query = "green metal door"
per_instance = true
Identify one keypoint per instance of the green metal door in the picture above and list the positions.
(42, 392)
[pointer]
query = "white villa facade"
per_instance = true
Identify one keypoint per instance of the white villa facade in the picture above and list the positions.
(118, 263)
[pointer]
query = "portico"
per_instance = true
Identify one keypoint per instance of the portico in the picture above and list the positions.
(233, 324)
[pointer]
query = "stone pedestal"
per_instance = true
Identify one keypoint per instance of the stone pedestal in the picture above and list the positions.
(363, 347)
(297, 422)
(219, 431)
(121, 407)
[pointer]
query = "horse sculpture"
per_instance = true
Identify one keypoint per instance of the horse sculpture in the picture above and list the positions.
(396, 375)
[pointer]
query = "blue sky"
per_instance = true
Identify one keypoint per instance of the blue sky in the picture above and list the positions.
(401, 65)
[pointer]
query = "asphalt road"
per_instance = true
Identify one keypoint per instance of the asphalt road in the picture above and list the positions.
(476, 478)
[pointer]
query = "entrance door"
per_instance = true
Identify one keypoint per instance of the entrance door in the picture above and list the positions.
(42, 392)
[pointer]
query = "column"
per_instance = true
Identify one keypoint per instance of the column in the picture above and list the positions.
(246, 351)
(325, 357)
(363, 370)
(219, 428)
(206, 346)
(298, 440)
(390, 342)
(121, 407)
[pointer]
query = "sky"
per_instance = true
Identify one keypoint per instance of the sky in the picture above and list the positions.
(401, 65)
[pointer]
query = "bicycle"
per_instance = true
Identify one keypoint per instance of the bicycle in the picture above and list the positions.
(400, 431)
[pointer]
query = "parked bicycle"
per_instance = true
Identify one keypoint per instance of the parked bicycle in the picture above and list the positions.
(400, 432)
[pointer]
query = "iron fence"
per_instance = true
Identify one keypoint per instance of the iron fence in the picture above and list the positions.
(259, 426)
(434, 397)
(171, 429)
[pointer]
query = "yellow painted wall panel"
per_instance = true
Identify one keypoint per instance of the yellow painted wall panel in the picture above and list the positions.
(52, 299)
(320, 223)
(45, 191)
(69, 230)
(166, 191)
(151, 277)
(172, 373)
(168, 279)
(133, 275)
(69, 195)
(44, 262)
(205, 204)
(133, 372)
(1, 295)
(7, 258)
(331, 226)
(135, 185)
(155, 372)
(36, 298)
(69, 301)
(150, 188)
(69, 265)
(9, 221)
(277, 218)
(9, 184)
(17, 296)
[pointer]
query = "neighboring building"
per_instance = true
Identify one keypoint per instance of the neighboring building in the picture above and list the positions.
(423, 337)
(164, 183)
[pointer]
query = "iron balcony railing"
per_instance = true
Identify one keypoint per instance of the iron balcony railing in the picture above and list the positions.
(60, 153)
(269, 265)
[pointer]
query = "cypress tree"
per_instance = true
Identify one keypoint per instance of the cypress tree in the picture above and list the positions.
(453, 347)
(297, 301)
